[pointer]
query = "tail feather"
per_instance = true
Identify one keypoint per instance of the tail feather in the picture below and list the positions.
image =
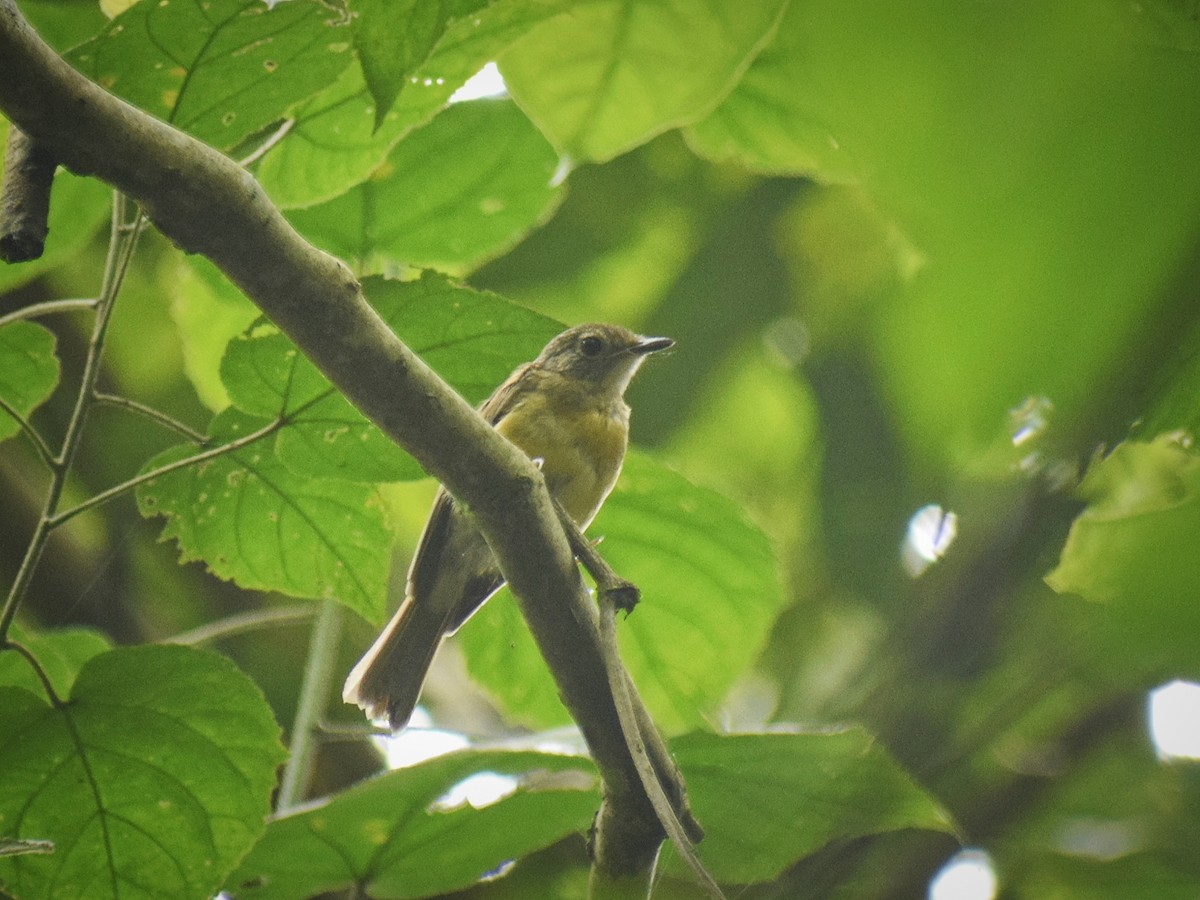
(387, 681)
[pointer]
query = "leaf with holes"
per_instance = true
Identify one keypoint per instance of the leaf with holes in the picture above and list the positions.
(28, 371)
(472, 339)
(254, 522)
(152, 781)
(710, 593)
(222, 69)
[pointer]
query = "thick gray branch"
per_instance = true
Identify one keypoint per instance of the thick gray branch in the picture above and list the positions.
(206, 204)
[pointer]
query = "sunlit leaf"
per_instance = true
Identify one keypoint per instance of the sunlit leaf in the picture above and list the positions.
(151, 782)
(28, 370)
(253, 521)
(458, 190)
(393, 37)
(768, 800)
(710, 592)
(222, 69)
(396, 836)
(335, 143)
(605, 76)
(473, 340)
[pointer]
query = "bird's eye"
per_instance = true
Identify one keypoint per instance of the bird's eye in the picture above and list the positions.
(591, 345)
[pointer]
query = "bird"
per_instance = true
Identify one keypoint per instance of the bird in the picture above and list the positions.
(566, 410)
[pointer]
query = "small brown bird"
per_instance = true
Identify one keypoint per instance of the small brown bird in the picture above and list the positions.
(566, 409)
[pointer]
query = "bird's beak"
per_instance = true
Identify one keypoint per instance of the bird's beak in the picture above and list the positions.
(646, 346)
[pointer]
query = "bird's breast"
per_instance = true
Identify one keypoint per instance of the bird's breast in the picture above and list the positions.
(581, 448)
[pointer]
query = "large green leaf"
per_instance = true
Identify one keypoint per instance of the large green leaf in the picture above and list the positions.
(151, 782)
(466, 186)
(1133, 550)
(335, 142)
(1034, 158)
(474, 340)
(221, 69)
(768, 800)
(710, 592)
(396, 837)
(28, 371)
(608, 75)
(253, 521)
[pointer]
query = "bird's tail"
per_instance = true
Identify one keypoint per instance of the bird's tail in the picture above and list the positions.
(388, 679)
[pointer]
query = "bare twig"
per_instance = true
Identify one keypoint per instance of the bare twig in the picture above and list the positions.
(25, 205)
(34, 310)
(314, 695)
(35, 438)
(655, 766)
(240, 623)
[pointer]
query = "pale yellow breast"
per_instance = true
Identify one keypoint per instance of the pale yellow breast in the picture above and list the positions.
(582, 448)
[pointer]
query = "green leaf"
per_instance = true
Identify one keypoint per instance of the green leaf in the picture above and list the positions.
(395, 837)
(254, 522)
(220, 69)
(209, 312)
(152, 781)
(768, 800)
(608, 75)
(393, 37)
(60, 653)
(1133, 549)
(463, 188)
(710, 593)
(64, 23)
(473, 340)
(28, 371)
(335, 143)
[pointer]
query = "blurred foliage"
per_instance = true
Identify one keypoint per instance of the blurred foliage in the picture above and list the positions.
(911, 253)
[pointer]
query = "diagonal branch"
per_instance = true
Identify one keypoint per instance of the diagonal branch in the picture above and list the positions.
(206, 204)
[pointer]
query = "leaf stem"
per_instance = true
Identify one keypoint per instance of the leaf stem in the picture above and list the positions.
(151, 413)
(314, 693)
(35, 438)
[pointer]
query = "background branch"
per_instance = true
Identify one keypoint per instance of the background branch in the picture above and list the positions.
(207, 204)
(25, 206)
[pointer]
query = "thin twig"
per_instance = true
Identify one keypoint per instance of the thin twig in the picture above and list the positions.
(615, 593)
(203, 456)
(46, 308)
(40, 445)
(151, 413)
(120, 252)
(240, 623)
(314, 694)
